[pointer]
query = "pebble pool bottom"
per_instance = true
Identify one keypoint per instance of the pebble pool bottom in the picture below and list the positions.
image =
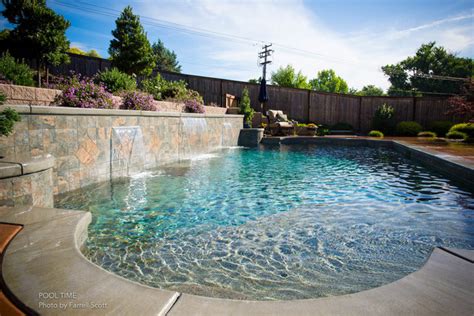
(289, 222)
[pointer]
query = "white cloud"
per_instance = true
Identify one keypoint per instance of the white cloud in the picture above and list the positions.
(356, 55)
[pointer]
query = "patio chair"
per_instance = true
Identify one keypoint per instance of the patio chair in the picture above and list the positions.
(279, 124)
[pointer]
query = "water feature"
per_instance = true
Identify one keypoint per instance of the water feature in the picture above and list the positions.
(127, 149)
(290, 222)
(227, 135)
(194, 136)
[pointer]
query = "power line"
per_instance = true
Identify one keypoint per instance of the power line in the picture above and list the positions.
(99, 10)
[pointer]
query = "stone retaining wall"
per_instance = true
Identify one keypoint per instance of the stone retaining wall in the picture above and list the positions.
(40, 96)
(92, 145)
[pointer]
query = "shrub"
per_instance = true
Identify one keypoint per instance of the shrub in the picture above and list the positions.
(8, 117)
(408, 128)
(342, 126)
(114, 80)
(322, 130)
(378, 134)
(134, 100)
(440, 127)
(384, 119)
(466, 128)
(193, 106)
(82, 92)
(427, 134)
(162, 89)
(15, 72)
(311, 125)
(245, 107)
(457, 135)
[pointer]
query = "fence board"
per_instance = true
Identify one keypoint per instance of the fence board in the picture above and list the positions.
(301, 105)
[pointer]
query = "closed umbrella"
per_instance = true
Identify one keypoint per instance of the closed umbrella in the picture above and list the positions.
(262, 95)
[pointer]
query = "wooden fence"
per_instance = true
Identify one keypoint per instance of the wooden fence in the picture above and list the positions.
(301, 105)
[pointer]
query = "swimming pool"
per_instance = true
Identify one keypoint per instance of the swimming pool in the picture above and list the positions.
(287, 222)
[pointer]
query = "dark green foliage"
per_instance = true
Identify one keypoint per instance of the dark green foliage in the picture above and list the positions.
(322, 130)
(440, 127)
(457, 135)
(115, 80)
(130, 51)
(429, 59)
(384, 119)
(15, 72)
(408, 128)
(162, 89)
(342, 126)
(246, 108)
(466, 128)
(370, 90)
(165, 59)
(378, 134)
(39, 32)
(427, 134)
(8, 117)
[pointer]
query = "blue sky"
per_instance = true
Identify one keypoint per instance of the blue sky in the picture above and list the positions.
(353, 37)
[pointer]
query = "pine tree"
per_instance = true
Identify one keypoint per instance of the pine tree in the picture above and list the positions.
(40, 33)
(130, 50)
(165, 59)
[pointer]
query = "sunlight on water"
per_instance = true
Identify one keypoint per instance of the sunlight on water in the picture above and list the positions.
(281, 223)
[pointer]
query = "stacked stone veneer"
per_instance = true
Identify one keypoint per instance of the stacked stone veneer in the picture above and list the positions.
(40, 96)
(81, 140)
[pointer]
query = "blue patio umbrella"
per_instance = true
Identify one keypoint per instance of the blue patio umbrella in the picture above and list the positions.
(262, 95)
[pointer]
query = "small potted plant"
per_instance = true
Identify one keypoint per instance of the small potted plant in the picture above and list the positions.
(246, 109)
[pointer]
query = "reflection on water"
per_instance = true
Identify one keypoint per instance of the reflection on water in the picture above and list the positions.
(270, 224)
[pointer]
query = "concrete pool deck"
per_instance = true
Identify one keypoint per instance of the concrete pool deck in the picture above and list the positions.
(44, 268)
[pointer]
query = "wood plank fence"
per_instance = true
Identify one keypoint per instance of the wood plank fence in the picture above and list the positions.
(301, 105)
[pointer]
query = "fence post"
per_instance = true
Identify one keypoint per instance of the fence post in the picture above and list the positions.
(414, 108)
(360, 114)
(309, 106)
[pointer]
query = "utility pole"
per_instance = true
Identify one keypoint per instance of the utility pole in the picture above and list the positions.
(263, 55)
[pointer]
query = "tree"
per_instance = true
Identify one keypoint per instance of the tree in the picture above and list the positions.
(328, 81)
(462, 106)
(287, 77)
(430, 59)
(165, 59)
(246, 108)
(78, 51)
(38, 28)
(371, 90)
(130, 51)
(257, 81)
(352, 91)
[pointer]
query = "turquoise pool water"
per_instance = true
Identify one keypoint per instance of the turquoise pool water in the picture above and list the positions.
(277, 223)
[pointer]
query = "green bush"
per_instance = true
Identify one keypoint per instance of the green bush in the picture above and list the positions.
(457, 135)
(440, 127)
(322, 130)
(114, 80)
(378, 134)
(246, 108)
(8, 117)
(384, 119)
(342, 126)
(466, 128)
(15, 72)
(408, 128)
(162, 89)
(427, 134)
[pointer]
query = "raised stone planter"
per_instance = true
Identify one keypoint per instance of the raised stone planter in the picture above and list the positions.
(250, 137)
(27, 182)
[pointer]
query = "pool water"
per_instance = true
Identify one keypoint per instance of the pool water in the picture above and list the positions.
(289, 222)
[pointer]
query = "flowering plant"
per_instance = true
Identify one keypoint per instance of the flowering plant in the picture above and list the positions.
(193, 106)
(82, 92)
(135, 100)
